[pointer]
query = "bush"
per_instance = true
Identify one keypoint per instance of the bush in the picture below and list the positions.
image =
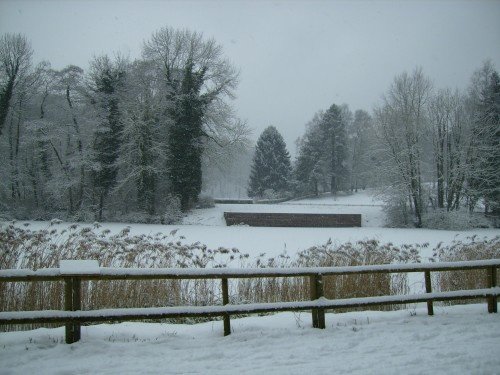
(454, 220)
(472, 249)
(173, 213)
(205, 201)
(397, 212)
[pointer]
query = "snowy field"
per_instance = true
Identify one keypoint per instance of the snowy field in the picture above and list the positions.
(457, 340)
(208, 227)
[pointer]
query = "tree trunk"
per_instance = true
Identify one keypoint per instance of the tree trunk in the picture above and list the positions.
(5, 97)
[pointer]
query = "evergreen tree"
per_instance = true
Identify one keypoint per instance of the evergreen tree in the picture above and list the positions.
(322, 159)
(107, 79)
(185, 138)
(196, 80)
(309, 165)
(360, 133)
(334, 132)
(271, 169)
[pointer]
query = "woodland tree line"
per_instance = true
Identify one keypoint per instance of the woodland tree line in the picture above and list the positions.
(137, 140)
(434, 154)
(124, 140)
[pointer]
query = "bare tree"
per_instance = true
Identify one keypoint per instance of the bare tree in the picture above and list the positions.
(450, 129)
(15, 61)
(197, 79)
(401, 122)
(483, 181)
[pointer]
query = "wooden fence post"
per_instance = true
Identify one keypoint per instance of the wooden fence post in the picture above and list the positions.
(428, 289)
(225, 301)
(72, 302)
(492, 282)
(318, 315)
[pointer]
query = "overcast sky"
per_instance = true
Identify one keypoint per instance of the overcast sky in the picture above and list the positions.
(295, 57)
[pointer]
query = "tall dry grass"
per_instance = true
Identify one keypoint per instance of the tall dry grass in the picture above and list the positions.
(473, 248)
(21, 247)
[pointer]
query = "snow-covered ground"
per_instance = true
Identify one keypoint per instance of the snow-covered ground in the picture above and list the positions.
(460, 339)
(457, 340)
(208, 227)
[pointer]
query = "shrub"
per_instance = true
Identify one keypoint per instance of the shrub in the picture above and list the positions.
(205, 201)
(471, 249)
(173, 213)
(454, 220)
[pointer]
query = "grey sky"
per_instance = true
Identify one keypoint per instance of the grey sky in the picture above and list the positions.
(295, 57)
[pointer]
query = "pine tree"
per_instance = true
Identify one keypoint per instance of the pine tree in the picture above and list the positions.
(108, 79)
(322, 159)
(271, 169)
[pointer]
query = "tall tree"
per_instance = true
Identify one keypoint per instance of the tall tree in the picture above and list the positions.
(15, 62)
(451, 143)
(400, 123)
(360, 135)
(271, 167)
(196, 77)
(308, 166)
(484, 99)
(322, 157)
(107, 81)
(142, 151)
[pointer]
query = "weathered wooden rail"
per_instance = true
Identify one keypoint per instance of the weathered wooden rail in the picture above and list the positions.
(274, 219)
(73, 316)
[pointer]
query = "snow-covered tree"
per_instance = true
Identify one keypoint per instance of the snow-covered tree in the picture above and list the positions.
(450, 128)
(15, 63)
(271, 167)
(107, 81)
(400, 124)
(483, 180)
(196, 77)
(322, 152)
(360, 135)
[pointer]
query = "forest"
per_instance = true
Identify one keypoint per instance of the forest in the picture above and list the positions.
(149, 139)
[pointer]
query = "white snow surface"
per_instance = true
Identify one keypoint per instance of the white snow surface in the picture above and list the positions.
(74, 267)
(456, 340)
(207, 226)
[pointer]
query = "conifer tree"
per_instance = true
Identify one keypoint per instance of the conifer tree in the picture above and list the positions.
(107, 79)
(271, 169)
(322, 159)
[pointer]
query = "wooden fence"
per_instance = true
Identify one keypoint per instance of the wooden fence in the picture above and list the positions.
(274, 219)
(73, 315)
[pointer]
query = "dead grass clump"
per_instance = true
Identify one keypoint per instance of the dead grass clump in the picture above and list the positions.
(367, 252)
(471, 249)
(21, 247)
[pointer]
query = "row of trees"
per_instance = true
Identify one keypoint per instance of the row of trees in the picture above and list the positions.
(429, 151)
(123, 137)
(438, 148)
(332, 156)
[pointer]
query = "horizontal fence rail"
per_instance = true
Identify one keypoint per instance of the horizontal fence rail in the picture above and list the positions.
(51, 274)
(73, 275)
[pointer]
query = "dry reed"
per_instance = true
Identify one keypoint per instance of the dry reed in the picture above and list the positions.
(21, 247)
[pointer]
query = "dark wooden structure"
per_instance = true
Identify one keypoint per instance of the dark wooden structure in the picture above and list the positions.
(259, 219)
(73, 315)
